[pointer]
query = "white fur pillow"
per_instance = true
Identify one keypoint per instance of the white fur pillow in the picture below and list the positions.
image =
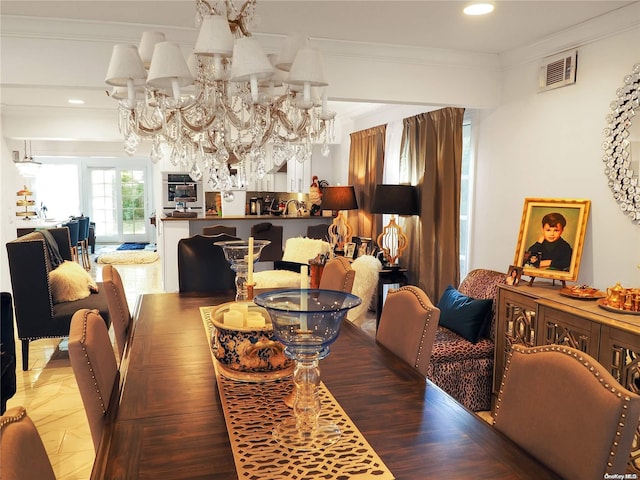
(303, 249)
(367, 269)
(71, 282)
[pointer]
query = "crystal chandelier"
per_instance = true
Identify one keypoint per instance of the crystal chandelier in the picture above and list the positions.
(224, 105)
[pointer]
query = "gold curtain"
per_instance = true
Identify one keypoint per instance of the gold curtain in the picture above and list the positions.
(432, 152)
(366, 159)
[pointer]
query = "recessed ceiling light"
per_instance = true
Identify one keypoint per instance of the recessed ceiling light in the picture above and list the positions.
(75, 101)
(480, 8)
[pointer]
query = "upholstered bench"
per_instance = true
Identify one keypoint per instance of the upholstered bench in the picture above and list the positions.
(461, 367)
(45, 296)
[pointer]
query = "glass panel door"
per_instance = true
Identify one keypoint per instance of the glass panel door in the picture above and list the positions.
(117, 199)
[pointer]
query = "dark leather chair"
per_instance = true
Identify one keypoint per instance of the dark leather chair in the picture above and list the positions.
(217, 229)
(74, 235)
(202, 266)
(7, 350)
(83, 241)
(273, 233)
(37, 316)
(320, 232)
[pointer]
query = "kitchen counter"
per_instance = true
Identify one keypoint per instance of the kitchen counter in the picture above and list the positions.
(173, 229)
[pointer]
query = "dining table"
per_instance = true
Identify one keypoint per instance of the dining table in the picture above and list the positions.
(165, 418)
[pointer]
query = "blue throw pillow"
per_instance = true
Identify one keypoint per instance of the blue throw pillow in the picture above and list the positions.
(464, 315)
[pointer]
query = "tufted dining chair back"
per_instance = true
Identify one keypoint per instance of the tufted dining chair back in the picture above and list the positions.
(21, 449)
(94, 366)
(408, 326)
(338, 275)
(567, 410)
(118, 307)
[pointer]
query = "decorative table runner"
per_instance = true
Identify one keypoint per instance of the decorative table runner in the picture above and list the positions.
(252, 410)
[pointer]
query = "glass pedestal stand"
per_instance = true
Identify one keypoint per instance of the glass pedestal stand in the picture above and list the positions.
(236, 252)
(306, 322)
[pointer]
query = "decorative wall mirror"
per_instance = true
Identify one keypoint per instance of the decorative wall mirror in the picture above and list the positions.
(622, 146)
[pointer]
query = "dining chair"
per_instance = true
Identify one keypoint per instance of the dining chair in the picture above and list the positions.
(321, 231)
(408, 326)
(74, 235)
(202, 266)
(273, 233)
(21, 449)
(216, 229)
(564, 408)
(94, 365)
(83, 242)
(338, 275)
(118, 306)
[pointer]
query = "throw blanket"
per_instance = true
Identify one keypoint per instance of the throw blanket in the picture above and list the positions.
(52, 247)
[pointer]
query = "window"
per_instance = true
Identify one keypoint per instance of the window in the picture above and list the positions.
(465, 196)
(57, 188)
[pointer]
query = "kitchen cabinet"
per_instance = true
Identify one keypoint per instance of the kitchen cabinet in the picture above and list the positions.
(298, 176)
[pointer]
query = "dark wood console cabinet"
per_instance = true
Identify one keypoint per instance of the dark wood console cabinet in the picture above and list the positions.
(540, 315)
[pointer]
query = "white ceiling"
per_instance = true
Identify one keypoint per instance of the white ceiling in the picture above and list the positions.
(426, 24)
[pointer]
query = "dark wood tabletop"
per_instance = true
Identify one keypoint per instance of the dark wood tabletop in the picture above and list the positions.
(165, 421)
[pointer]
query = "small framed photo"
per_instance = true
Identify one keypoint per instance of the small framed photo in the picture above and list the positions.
(551, 237)
(349, 249)
(513, 275)
(363, 249)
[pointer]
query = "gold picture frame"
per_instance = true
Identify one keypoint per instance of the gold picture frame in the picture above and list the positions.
(552, 251)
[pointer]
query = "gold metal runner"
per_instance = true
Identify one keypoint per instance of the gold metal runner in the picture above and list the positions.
(251, 412)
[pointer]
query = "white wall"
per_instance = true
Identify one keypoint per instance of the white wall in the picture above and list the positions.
(548, 145)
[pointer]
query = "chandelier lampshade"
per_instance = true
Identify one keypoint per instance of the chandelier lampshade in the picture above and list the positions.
(125, 65)
(292, 44)
(396, 200)
(249, 61)
(221, 105)
(340, 199)
(147, 43)
(168, 66)
(215, 37)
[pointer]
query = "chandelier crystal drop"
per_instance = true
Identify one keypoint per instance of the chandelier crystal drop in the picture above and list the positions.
(226, 103)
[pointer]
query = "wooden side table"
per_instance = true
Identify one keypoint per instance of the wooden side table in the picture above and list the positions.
(388, 278)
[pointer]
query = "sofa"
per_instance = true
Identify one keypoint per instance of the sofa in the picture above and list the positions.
(38, 314)
(460, 366)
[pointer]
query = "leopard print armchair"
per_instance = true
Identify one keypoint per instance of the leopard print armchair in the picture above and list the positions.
(461, 368)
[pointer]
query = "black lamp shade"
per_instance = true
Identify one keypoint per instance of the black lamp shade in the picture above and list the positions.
(339, 198)
(397, 199)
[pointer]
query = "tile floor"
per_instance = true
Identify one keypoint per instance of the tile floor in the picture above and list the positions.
(49, 392)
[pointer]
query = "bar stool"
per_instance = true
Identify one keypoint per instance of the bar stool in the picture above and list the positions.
(74, 236)
(217, 229)
(83, 242)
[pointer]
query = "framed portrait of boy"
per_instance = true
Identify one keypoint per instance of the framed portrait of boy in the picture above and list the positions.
(551, 237)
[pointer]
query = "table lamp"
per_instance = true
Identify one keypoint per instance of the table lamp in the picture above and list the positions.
(396, 200)
(340, 199)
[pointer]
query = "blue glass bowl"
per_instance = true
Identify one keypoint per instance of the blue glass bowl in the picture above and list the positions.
(307, 321)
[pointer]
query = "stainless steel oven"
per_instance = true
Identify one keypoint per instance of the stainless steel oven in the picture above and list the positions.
(178, 187)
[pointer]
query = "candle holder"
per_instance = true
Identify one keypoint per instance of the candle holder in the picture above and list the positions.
(236, 252)
(307, 322)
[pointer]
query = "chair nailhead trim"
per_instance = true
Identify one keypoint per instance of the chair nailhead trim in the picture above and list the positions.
(588, 365)
(427, 319)
(22, 412)
(86, 355)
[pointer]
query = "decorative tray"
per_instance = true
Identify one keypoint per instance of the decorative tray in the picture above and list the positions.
(602, 303)
(583, 292)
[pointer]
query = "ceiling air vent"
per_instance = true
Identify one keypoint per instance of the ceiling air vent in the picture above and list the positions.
(558, 70)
